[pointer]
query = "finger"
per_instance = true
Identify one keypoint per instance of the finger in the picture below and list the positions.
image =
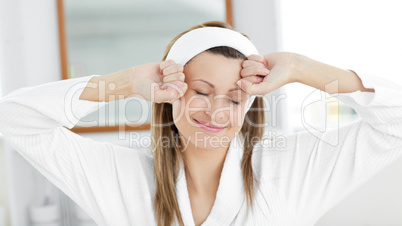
(165, 64)
(249, 71)
(259, 89)
(171, 69)
(174, 77)
(252, 63)
(254, 79)
(174, 91)
(258, 58)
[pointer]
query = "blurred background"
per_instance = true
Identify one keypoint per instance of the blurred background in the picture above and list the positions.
(43, 41)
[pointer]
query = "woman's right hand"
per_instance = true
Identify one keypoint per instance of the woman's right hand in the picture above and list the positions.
(159, 82)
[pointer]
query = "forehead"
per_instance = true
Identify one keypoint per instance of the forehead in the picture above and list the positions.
(214, 68)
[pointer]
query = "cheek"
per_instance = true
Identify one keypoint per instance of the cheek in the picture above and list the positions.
(188, 105)
(192, 103)
(197, 103)
(237, 119)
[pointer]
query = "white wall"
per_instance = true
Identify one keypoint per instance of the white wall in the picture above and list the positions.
(29, 55)
(358, 34)
(29, 42)
(3, 187)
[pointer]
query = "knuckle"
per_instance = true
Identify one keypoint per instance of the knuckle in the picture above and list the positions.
(168, 70)
(162, 65)
(250, 71)
(260, 63)
(165, 70)
(253, 64)
(254, 57)
(181, 76)
(243, 72)
(179, 67)
(170, 61)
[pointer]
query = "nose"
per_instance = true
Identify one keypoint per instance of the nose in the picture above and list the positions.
(219, 110)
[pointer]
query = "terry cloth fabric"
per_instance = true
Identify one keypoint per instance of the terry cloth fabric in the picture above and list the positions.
(115, 185)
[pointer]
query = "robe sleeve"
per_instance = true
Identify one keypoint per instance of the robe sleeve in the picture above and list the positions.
(33, 121)
(315, 170)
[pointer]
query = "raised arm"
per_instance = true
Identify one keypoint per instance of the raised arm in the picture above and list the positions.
(114, 184)
(315, 170)
(278, 69)
(32, 120)
(155, 82)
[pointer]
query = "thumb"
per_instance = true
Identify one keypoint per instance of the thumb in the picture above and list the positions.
(251, 88)
(171, 93)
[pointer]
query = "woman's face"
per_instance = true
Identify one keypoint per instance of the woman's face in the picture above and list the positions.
(212, 98)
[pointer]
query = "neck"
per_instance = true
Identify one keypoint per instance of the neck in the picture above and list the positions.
(203, 168)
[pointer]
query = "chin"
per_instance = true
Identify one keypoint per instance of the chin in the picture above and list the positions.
(212, 140)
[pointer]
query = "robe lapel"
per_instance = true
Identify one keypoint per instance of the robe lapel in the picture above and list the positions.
(183, 198)
(230, 195)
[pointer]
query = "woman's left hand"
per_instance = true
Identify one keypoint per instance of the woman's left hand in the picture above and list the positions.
(264, 74)
(285, 67)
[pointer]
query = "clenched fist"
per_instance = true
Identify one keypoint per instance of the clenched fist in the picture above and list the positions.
(159, 82)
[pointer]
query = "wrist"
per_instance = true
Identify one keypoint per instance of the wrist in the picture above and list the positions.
(118, 85)
(134, 79)
(300, 68)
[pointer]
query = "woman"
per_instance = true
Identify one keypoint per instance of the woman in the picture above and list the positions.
(192, 179)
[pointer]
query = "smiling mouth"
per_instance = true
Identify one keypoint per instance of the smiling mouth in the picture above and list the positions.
(208, 124)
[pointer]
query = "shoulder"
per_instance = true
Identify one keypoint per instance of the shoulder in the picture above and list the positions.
(146, 158)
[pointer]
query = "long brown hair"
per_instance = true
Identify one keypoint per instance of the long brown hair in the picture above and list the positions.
(167, 158)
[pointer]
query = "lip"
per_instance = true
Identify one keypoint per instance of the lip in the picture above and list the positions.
(208, 128)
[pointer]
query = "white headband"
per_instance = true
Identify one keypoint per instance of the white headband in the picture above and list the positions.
(197, 41)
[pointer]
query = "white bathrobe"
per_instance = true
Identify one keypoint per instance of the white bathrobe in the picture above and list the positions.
(115, 184)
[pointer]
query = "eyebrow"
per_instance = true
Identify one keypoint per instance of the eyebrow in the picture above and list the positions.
(213, 86)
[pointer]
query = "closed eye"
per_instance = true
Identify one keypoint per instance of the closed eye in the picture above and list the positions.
(199, 93)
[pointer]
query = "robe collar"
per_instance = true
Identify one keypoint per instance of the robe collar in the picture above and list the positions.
(230, 195)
